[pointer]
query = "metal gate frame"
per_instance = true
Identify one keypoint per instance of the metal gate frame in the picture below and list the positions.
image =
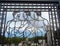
(53, 8)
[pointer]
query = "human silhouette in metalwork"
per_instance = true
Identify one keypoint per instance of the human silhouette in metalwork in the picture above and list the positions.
(17, 25)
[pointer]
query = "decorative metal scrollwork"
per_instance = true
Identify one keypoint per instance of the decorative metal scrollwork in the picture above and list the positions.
(26, 23)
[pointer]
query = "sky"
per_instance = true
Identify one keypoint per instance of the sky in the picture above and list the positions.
(39, 32)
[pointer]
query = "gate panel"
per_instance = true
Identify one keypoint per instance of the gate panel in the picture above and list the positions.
(27, 16)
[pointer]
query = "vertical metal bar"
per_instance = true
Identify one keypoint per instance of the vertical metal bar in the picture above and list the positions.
(50, 25)
(55, 18)
(0, 22)
(58, 14)
(58, 31)
(2, 25)
(52, 28)
(56, 25)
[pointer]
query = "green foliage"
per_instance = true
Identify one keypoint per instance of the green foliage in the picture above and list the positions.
(35, 39)
(17, 40)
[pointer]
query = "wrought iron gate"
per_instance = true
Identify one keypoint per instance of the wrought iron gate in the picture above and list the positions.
(27, 21)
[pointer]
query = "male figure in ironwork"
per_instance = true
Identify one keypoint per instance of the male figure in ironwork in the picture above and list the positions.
(17, 25)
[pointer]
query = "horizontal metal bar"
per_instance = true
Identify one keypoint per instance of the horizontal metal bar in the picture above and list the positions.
(7, 1)
(11, 10)
(29, 5)
(29, 8)
(23, 10)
